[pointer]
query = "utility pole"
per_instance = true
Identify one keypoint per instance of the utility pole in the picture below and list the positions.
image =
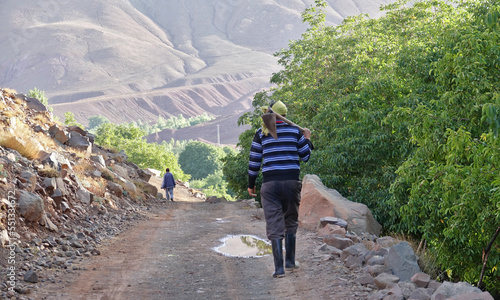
(218, 136)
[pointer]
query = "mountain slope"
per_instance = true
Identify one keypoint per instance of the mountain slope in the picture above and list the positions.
(138, 59)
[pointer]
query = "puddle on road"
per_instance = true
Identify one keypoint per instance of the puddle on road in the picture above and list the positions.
(246, 246)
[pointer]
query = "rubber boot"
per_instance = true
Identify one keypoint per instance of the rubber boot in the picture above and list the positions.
(290, 262)
(277, 247)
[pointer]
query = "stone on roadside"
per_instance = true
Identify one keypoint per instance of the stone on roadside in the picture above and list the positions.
(402, 261)
(332, 250)
(366, 280)
(473, 296)
(31, 276)
(338, 241)
(449, 289)
(420, 294)
(386, 280)
(31, 206)
(331, 229)
(421, 280)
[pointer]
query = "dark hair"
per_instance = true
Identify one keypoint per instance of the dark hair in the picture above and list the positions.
(168, 170)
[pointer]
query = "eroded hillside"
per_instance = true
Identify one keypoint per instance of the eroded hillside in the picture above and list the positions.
(138, 59)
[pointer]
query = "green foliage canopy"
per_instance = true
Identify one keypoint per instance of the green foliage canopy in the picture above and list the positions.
(405, 113)
(146, 155)
(201, 159)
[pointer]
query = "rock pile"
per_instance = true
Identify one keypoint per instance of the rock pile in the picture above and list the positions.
(60, 194)
(389, 266)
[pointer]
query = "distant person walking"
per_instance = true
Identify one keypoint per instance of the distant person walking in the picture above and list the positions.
(280, 191)
(168, 185)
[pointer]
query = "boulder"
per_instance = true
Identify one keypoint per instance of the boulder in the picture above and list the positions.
(31, 206)
(149, 188)
(77, 129)
(34, 104)
(57, 196)
(120, 170)
(317, 201)
(144, 174)
(79, 142)
(421, 280)
(58, 134)
(402, 261)
(420, 294)
(449, 290)
(49, 183)
(355, 250)
(115, 188)
(84, 196)
(385, 280)
(338, 241)
(155, 172)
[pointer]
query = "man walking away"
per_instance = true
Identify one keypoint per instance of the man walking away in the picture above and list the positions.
(168, 184)
(280, 191)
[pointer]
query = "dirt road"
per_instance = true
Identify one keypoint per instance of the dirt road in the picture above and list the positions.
(171, 256)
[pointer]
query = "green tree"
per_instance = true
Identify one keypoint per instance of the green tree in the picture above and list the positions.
(404, 111)
(146, 155)
(96, 121)
(70, 120)
(200, 159)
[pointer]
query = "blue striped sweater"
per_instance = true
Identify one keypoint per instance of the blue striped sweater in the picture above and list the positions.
(280, 159)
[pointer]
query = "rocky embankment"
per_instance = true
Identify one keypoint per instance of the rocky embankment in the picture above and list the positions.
(61, 195)
(387, 266)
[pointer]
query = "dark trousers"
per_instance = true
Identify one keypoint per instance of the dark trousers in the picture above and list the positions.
(280, 201)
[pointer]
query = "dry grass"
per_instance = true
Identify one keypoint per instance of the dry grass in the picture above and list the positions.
(82, 167)
(97, 186)
(46, 141)
(10, 92)
(19, 101)
(79, 153)
(107, 175)
(26, 147)
(22, 139)
(49, 171)
(42, 118)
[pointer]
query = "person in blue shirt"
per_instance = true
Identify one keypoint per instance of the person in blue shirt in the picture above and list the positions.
(168, 185)
(281, 187)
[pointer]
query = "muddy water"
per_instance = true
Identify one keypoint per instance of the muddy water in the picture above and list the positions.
(244, 246)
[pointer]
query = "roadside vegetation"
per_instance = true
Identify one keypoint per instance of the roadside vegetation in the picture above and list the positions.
(405, 115)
